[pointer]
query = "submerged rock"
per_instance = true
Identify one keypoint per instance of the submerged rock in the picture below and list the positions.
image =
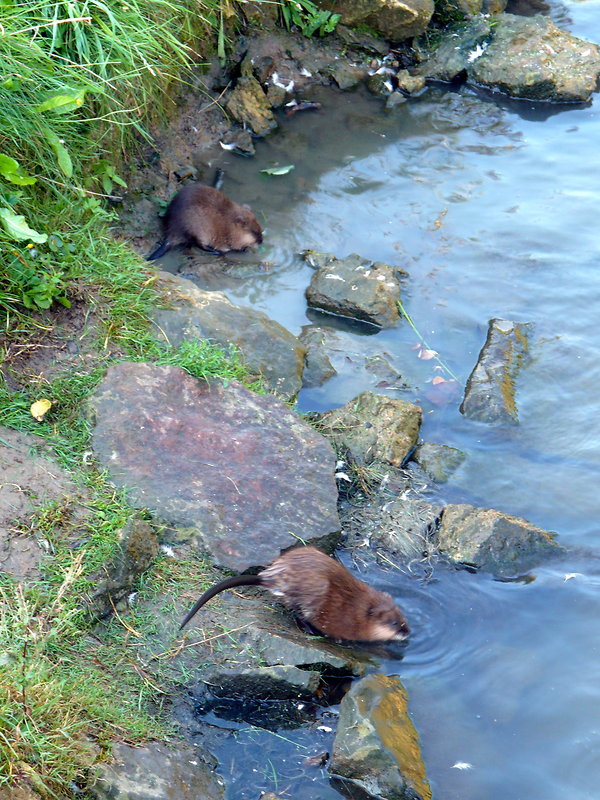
(438, 461)
(495, 542)
(157, 772)
(236, 472)
(330, 352)
(374, 427)
(394, 19)
(355, 287)
(490, 391)
(524, 57)
(266, 346)
(376, 752)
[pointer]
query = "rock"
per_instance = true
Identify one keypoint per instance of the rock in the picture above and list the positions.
(264, 683)
(438, 461)
(275, 645)
(490, 391)
(380, 84)
(28, 483)
(411, 84)
(358, 288)
(395, 99)
(529, 57)
(155, 772)
(238, 473)
(267, 347)
(362, 40)
(240, 141)
(450, 60)
(376, 752)
(492, 541)
(525, 57)
(318, 367)
(393, 19)
(137, 548)
(404, 528)
(331, 351)
(347, 75)
(449, 8)
(373, 427)
(249, 105)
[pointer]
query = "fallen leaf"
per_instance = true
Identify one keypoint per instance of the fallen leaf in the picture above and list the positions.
(40, 408)
(426, 354)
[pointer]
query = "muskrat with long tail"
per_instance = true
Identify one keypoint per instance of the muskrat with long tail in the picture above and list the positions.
(203, 216)
(324, 595)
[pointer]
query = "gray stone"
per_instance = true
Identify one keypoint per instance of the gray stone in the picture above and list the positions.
(525, 57)
(156, 772)
(376, 752)
(236, 472)
(530, 57)
(267, 683)
(438, 461)
(278, 643)
(358, 288)
(393, 19)
(492, 541)
(374, 427)
(266, 346)
(137, 548)
(318, 367)
(347, 75)
(490, 390)
(241, 140)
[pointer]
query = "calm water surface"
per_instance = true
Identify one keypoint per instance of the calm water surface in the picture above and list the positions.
(492, 208)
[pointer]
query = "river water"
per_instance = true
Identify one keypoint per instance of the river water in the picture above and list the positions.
(492, 209)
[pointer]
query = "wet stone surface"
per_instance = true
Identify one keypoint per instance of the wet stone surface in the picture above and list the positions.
(238, 473)
(495, 542)
(355, 287)
(490, 394)
(373, 427)
(266, 346)
(376, 753)
(157, 772)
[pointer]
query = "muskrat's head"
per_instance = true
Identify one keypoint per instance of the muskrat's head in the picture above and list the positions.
(246, 231)
(385, 622)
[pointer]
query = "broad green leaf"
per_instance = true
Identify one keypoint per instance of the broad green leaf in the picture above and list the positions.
(62, 154)
(62, 103)
(278, 170)
(13, 172)
(17, 227)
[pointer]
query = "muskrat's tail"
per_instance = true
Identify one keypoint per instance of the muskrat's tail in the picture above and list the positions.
(228, 583)
(160, 249)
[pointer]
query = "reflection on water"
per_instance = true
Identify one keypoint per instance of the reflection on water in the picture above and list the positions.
(492, 209)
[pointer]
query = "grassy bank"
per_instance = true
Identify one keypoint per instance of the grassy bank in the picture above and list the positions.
(79, 82)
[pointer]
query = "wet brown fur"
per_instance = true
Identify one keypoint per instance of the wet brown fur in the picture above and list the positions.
(202, 216)
(323, 594)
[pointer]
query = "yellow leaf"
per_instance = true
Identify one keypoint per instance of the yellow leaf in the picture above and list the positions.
(40, 408)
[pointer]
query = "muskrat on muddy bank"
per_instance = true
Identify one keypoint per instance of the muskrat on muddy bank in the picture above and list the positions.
(324, 595)
(203, 216)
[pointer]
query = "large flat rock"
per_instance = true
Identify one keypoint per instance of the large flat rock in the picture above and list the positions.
(267, 347)
(237, 472)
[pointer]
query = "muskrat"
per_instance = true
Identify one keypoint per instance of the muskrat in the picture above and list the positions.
(324, 595)
(203, 216)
